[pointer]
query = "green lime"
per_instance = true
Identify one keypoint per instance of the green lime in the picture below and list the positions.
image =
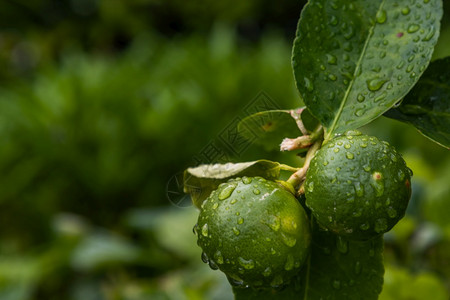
(255, 231)
(358, 186)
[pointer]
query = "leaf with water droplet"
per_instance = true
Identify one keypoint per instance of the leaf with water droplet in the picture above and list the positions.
(427, 106)
(386, 37)
(199, 182)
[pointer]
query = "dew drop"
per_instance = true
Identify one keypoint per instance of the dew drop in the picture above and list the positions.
(256, 192)
(235, 282)
(364, 226)
(331, 59)
(325, 163)
(413, 28)
(247, 264)
(195, 229)
(380, 225)
(349, 155)
(338, 169)
(289, 265)
(405, 10)
(359, 189)
(341, 245)
(274, 223)
(375, 84)
(308, 84)
(336, 284)
(277, 281)
(215, 205)
(205, 230)
(212, 264)
(240, 221)
(233, 201)
(392, 213)
(347, 146)
(205, 258)
(430, 34)
(246, 180)
(336, 150)
(332, 77)
(310, 186)
(381, 16)
(236, 231)
(267, 271)
(360, 98)
(363, 145)
(288, 240)
(218, 257)
(227, 191)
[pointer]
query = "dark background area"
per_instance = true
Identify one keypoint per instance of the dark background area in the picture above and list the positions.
(104, 103)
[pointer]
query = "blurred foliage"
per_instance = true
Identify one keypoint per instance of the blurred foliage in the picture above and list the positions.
(103, 102)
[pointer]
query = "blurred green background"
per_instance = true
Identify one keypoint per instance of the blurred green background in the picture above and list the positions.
(104, 102)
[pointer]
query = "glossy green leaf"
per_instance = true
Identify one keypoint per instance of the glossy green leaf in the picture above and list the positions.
(268, 128)
(353, 60)
(427, 106)
(199, 182)
(336, 269)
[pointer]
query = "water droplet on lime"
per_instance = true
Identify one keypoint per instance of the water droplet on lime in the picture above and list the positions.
(341, 245)
(349, 155)
(246, 263)
(246, 180)
(240, 220)
(413, 28)
(236, 231)
(288, 240)
(359, 189)
(392, 213)
(336, 284)
(380, 225)
(289, 265)
(205, 258)
(205, 230)
(227, 191)
(364, 226)
(267, 271)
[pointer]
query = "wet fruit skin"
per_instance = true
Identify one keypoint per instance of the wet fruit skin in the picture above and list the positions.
(358, 186)
(254, 231)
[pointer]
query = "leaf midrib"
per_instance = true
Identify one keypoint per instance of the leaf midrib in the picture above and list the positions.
(358, 66)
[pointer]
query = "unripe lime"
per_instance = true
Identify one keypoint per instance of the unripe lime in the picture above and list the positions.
(255, 231)
(358, 186)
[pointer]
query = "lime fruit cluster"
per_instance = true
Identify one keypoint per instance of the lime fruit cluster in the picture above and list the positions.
(358, 186)
(255, 231)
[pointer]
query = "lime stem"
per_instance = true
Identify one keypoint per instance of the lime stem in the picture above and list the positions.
(301, 142)
(299, 176)
(288, 168)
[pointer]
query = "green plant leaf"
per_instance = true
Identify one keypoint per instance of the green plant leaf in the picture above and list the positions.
(353, 60)
(200, 181)
(427, 106)
(268, 128)
(336, 269)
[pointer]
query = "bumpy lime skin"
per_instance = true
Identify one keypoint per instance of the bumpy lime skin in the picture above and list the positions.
(358, 186)
(254, 231)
